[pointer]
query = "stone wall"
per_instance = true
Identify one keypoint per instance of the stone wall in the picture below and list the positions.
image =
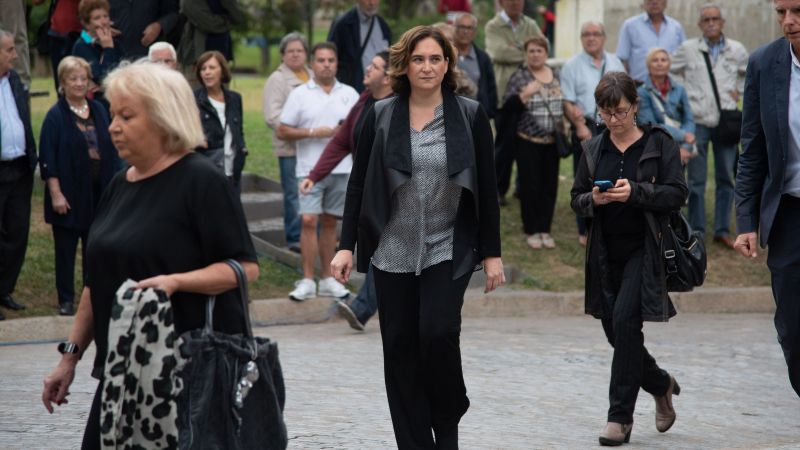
(752, 22)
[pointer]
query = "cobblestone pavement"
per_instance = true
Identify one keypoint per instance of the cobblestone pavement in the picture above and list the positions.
(533, 383)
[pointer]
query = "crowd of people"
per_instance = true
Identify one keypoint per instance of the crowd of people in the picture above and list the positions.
(394, 138)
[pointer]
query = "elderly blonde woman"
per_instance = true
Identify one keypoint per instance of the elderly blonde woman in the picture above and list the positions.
(664, 102)
(152, 224)
(77, 161)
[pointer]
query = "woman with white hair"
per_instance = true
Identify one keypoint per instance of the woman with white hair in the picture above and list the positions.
(152, 225)
(77, 161)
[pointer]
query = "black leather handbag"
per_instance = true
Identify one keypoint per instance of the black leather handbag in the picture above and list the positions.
(684, 253)
(233, 393)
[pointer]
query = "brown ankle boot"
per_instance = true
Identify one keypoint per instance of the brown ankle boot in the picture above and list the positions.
(665, 412)
(615, 434)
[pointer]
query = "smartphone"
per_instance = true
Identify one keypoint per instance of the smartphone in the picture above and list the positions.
(604, 185)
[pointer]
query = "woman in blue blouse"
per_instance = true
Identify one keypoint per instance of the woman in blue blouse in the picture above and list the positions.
(97, 44)
(664, 102)
(77, 160)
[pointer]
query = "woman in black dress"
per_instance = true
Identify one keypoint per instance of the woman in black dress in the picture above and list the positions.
(422, 206)
(169, 221)
(625, 282)
(77, 161)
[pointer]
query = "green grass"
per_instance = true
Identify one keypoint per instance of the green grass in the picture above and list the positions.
(554, 270)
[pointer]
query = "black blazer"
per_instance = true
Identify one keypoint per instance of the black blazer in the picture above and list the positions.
(22, 99)
(487, 87)
(765, 138)
(212, 126)
(346, 34)
(383, 163)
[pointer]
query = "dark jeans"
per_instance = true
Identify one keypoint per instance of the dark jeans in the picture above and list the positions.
(91, 435)
(784, 265)
(291, 202)
(420, 318)
(538, 168)
(632, 367)
(66, 244)
(697, 172)
(16, 186)
(365, 304)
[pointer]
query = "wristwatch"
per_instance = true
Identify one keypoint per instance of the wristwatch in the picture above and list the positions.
(68, 347)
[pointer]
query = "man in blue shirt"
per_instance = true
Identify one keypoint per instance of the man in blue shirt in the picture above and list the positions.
(17, 160)
(579, 78)
(768, 181)
(642, 32)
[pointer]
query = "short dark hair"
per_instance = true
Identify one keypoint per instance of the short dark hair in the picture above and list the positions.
(384, 55)
(538, 41)
(613, 87)
(85, 8)
(400, 55)
(327, 45)
(223, 64)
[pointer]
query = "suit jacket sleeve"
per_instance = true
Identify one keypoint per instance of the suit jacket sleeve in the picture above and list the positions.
(168, 15)
(753, 166)
(200, 15)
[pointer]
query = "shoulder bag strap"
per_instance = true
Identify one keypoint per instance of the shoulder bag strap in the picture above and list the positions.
(713, 79)
(660, 106)
(369, 35)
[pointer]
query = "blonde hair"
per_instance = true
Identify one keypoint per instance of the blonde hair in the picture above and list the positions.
(68, 65)
(167, 98)
(651, 54)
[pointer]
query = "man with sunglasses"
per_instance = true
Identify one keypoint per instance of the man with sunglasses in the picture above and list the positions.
(692, 64)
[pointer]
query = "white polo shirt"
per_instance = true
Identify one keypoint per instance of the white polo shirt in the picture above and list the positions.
(309, 106)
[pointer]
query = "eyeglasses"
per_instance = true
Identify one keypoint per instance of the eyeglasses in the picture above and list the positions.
(595, 34)
(619, 115)
(710, 19)
(372, 66)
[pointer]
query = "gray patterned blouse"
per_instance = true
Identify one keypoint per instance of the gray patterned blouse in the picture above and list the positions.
(420, 230)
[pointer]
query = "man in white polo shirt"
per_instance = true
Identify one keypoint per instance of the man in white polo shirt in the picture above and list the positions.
(311, 115)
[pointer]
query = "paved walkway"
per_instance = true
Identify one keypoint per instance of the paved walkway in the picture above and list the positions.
(533, 383)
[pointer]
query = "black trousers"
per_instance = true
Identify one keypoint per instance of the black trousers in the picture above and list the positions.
(420, 318)
(66, 245)
(91, 435)
(537, 165)
(503, 150)
(632, 367)
(15, 217)
(784, 265)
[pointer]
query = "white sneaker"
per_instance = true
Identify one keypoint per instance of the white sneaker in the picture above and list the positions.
(329, 287)
(303, 290)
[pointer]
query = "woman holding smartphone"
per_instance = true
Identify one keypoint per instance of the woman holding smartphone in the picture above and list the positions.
(624, 269)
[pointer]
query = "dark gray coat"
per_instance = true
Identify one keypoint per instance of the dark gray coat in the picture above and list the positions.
(659, 187)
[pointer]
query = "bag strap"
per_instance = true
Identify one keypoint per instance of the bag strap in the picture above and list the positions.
(659, 103)
(713, 79)
(241, 281)
(369, 35)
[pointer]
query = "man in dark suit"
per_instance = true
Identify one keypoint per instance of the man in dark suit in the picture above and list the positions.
(359, 34)
(768, 181)
(142, 22)
(475, 62)
(17, 160)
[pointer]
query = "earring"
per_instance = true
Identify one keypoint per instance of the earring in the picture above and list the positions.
(635, 119)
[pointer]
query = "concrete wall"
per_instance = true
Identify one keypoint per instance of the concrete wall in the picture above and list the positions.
(751, 22)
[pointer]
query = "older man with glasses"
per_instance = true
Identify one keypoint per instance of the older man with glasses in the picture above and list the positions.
(475, 62)
(579, 78)
(712, 69)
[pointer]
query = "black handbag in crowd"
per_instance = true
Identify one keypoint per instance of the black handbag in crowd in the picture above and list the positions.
(729, 129)
(216, 155)
(562, 144)
(684, 253)
(233, 393)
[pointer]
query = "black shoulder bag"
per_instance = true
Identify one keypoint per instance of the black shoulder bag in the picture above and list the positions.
(729, 129)
(233, 391)
(683, 251)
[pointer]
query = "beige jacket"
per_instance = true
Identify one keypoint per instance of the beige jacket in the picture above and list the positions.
(689, 69)
(504, 47)
(276, 91)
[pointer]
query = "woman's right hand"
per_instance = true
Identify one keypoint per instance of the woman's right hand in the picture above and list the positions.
(599, 198)
(342, 265)
(56, 385)
(527, 92)
(104, 37)
(60, 203)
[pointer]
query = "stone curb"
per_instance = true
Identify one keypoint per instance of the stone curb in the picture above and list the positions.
(503, 303)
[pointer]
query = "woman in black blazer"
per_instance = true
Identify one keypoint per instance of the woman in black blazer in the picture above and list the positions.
(77, 161)
(422, 207)
(221, 116)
